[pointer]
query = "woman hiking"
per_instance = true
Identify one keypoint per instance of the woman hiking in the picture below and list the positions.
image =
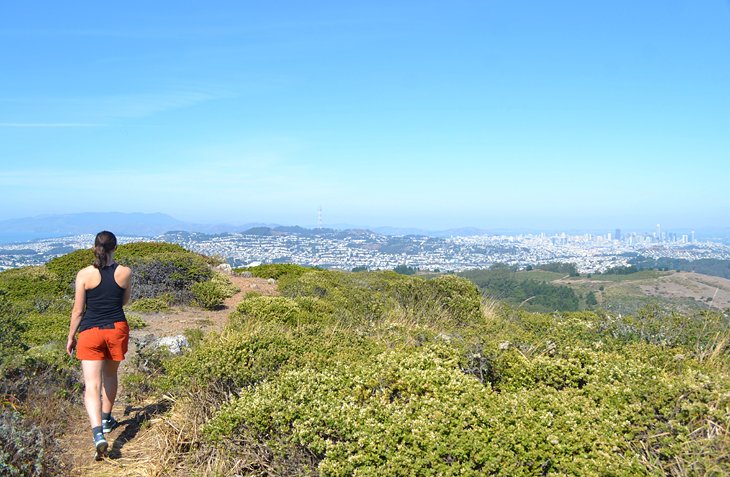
(103, 334)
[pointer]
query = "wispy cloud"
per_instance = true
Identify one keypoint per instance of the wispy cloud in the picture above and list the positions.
(94, 111)
(50, 125)
(183, 32)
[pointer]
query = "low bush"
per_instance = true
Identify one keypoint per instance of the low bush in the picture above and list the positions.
(224, 283)
(44, 328)
(448, 301)
(413, 411)
(146, 365)
(148, 249)
(11, 330)
(208, 295)
(135, 322)
(274, 309)
(151, 305)
(171, 273)
(212, 293)
(229, 361)
(25, 449)
(67, 266)
(275, 271)
(33, 288)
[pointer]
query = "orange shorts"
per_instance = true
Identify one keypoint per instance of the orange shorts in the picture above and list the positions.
(97, 343)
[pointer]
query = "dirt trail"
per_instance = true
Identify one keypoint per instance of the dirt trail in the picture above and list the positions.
(77, 454)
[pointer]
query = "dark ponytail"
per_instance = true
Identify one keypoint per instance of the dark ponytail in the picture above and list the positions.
(104, 244)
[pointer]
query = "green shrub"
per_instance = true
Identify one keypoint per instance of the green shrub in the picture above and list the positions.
(11, 329)
(275, 271)
(363, 297)
(159, 268)
(224, 284)
(232, 360)
(146, 365)
(135, 322)
(130, 251)
(412, 411)
(43, 328)
(67, 266)
(212, 293)
(194, 336)
(32, 288)
(150, 305)
(170, 273)
(517, 394)
(208, 295)
(268, 309)
(458, 297)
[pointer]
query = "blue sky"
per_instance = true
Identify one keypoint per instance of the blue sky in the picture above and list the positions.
(430, 114)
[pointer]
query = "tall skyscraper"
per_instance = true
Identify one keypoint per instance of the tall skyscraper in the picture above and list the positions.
(658, 233)
(617, 235)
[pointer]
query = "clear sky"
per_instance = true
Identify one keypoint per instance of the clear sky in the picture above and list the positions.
(504, 113)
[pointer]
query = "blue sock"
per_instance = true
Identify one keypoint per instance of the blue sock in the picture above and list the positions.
(105, 416)
(95, 431)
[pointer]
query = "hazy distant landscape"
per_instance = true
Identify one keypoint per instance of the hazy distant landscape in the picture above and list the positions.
(624, 274)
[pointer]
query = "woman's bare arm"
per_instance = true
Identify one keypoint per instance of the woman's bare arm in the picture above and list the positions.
(125, 281)
(76, 312)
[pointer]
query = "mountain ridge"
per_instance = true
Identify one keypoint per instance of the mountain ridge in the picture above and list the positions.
(154, 224)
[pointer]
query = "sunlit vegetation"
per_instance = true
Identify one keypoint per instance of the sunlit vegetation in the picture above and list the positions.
(380, 373)
(384, 374)
(40, 383)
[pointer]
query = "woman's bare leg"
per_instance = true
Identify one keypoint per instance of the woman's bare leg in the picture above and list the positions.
(91, 370)
(109, 384)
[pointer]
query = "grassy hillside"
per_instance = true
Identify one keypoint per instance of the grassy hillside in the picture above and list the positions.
(532, 291)
(376, 373)
(683, 291)
(383, 374)
(627, 293)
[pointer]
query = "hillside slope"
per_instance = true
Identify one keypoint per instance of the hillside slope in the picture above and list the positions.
(679, 290)
(318, 372)
(381, 374)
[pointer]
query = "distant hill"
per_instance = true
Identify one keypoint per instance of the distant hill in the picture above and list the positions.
(430, 233)
(685, 291)
(156, 224)
(146, 225)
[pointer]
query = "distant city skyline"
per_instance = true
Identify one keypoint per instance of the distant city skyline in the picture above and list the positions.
(150, 225)
(435, 115)
(360, 248)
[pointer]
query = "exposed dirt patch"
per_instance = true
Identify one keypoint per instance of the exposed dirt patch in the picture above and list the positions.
(712, 291)
(77, 446)
(177, 320)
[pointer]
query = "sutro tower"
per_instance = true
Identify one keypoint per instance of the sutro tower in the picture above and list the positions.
(319, 217)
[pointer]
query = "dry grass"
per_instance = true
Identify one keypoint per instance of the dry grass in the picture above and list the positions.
(490, 309)
(174, 446)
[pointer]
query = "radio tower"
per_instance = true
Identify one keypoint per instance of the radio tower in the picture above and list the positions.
(319, 217)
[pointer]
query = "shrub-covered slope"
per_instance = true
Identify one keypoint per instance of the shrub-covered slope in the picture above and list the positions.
(385, 374)
(39, 382)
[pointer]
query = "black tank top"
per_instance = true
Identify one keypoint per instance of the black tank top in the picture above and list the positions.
(104, 302)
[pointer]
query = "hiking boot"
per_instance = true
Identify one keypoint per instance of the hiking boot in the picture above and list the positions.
(108, 425)
(101, 445)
